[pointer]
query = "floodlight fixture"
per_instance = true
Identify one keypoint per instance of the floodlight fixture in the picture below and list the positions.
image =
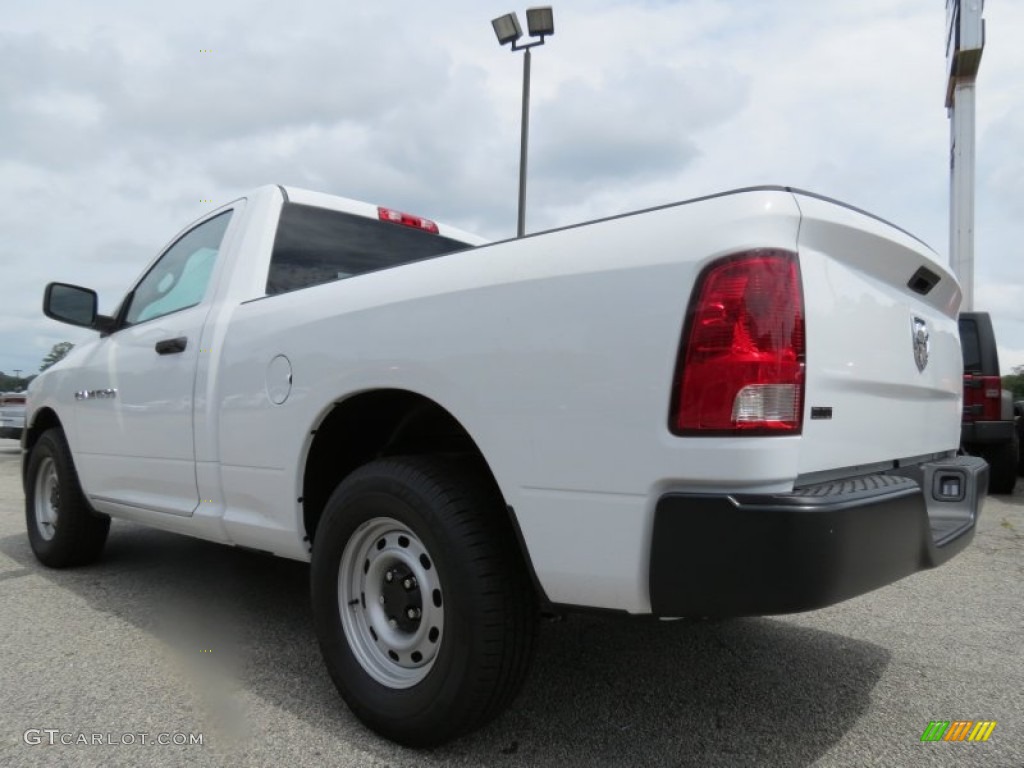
(507, 28)
(540, 21)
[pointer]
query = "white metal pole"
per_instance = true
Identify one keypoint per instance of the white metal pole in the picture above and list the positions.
(965, 41)
(961, 190)
(524, 139)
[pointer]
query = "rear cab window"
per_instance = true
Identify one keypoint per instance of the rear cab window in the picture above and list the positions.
(317, 245)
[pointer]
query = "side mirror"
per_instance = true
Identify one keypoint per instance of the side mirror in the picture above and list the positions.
(74, 305)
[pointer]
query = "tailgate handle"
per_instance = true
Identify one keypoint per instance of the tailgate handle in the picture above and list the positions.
(172, 346)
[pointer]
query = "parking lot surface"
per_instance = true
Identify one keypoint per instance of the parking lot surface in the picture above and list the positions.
(173, 639)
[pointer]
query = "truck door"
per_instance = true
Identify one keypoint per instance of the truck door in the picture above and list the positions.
(136, 393)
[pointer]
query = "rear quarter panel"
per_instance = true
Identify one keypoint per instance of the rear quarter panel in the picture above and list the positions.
(556, 352)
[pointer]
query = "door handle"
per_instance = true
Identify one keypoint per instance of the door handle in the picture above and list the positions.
(172, 346)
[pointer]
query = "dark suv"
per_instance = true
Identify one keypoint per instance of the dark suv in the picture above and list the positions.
(988, 428)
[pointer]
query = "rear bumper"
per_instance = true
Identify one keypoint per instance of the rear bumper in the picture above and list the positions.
(987, 432)
(749, 555)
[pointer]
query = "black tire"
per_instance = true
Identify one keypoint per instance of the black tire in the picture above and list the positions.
(1002, 466)
(486, 608)
(63, 529)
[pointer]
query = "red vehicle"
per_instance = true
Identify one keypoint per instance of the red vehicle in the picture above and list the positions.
(988, 428)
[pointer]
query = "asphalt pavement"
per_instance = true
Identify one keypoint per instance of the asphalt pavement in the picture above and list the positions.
(171, 639)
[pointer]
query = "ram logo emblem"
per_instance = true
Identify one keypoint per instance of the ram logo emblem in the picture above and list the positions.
(922, 342)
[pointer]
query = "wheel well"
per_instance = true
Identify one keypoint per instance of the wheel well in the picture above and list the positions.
(44, 419)
(372, 425)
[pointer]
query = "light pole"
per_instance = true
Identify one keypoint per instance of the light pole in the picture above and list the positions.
(540, 22)
(965, 41)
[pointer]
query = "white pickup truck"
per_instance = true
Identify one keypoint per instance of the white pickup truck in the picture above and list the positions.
(743, 404)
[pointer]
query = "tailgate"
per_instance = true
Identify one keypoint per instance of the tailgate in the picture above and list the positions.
(884, 369)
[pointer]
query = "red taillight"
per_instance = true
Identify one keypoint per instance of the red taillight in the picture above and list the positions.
(983, 398)
(406, 219)
(741, 365)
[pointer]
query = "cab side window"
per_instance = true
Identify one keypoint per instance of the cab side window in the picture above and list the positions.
(181, 276)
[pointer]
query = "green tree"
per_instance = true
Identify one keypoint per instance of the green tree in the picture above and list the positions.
(8, 383)
(56, 354)
(1015, 382)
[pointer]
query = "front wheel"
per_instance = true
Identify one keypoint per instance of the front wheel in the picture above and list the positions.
(422, 606)
(63, 530)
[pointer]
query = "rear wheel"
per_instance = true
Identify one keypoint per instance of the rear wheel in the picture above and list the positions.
(1003, 463)
(423, 610)
(63, 530)
(1020, 441)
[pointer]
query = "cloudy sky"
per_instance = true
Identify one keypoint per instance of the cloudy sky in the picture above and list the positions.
(121, 121)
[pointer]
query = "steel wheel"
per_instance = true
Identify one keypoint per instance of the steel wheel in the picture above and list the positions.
(422, 605)
(47, 499)
(391, 602)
